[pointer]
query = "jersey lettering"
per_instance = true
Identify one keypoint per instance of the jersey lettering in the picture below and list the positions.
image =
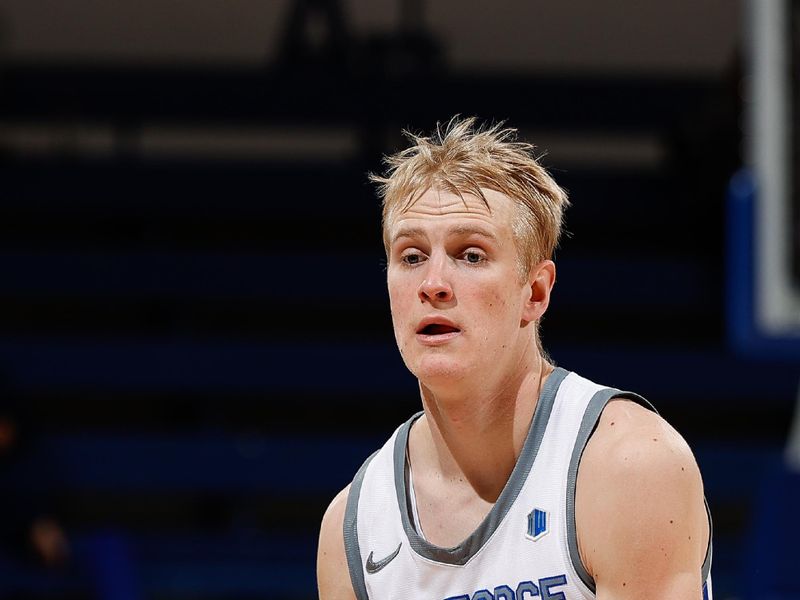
(524, 591)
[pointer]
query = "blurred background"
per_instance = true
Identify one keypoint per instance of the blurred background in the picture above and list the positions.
(196, 350)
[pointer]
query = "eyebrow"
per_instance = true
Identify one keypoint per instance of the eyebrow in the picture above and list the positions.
(460, 230)
(465, 230)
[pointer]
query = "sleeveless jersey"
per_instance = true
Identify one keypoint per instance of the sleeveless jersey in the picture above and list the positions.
(525, 548)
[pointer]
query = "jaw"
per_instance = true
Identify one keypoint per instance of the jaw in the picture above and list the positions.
(440, 367)
(458, 368)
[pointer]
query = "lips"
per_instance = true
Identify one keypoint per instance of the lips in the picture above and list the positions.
(437, 326)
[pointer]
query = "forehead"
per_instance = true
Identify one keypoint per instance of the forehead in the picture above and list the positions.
(437, 206)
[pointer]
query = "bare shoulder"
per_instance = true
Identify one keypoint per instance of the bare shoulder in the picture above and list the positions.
(639, 507)
(333, 576)
(633, 439)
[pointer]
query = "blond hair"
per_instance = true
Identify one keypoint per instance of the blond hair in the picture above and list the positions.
(464, 158)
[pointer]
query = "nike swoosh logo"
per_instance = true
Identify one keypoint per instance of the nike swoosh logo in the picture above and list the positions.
(374, 567)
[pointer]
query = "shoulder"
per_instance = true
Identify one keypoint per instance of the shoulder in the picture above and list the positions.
(333, 575)
(333, 572)
(640, 513)
(631, 440)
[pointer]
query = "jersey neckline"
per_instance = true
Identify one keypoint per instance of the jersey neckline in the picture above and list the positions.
(462, 553)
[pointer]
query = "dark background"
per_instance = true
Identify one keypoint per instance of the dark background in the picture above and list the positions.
(195, 344)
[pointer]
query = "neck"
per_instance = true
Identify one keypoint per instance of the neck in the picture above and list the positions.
(499, 418)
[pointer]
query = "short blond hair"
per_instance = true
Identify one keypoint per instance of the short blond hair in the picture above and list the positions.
(463, 157)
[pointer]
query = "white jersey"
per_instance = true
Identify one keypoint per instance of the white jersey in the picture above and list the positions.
(525, 548)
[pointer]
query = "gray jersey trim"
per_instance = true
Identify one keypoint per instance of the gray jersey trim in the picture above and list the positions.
(462, 553)
(588, 424)
(350, 529)
(710, 550)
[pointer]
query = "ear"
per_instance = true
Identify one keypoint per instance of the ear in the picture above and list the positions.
(540, 282)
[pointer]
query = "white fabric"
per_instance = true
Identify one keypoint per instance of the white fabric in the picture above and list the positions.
(509, 557)
(412, 501)
(510, 565)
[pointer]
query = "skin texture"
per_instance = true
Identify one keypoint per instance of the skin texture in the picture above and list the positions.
(640, 515)
(333, 577)
(453, 260)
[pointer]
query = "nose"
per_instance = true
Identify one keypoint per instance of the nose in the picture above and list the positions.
(435, 287)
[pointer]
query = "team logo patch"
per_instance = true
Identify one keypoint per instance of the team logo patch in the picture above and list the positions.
(538, 524)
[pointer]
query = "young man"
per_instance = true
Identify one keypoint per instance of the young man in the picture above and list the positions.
(518, 480)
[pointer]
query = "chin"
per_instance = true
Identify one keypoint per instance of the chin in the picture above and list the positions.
(439, 369)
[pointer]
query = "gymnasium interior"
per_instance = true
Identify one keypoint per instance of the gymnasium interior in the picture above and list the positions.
(196, 349)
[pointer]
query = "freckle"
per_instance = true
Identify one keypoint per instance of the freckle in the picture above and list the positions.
(612, 423)
(655, 439)
(690, 537)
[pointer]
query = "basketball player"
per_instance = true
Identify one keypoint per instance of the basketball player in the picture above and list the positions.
(519, 479)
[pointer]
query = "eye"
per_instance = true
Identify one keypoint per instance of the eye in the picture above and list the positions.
(412, 258)
(473, 257)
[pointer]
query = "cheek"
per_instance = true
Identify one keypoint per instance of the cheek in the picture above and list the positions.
(497, 301)
(492, 307)
(500, 315)
(400, 303)
(397, 296)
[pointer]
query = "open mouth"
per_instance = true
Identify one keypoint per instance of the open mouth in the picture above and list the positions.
(438, 329)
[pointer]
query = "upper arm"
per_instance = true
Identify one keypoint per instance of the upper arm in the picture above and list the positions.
(333, 575)
(640, 513)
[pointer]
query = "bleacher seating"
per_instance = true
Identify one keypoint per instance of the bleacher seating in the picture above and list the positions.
(206, 345)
